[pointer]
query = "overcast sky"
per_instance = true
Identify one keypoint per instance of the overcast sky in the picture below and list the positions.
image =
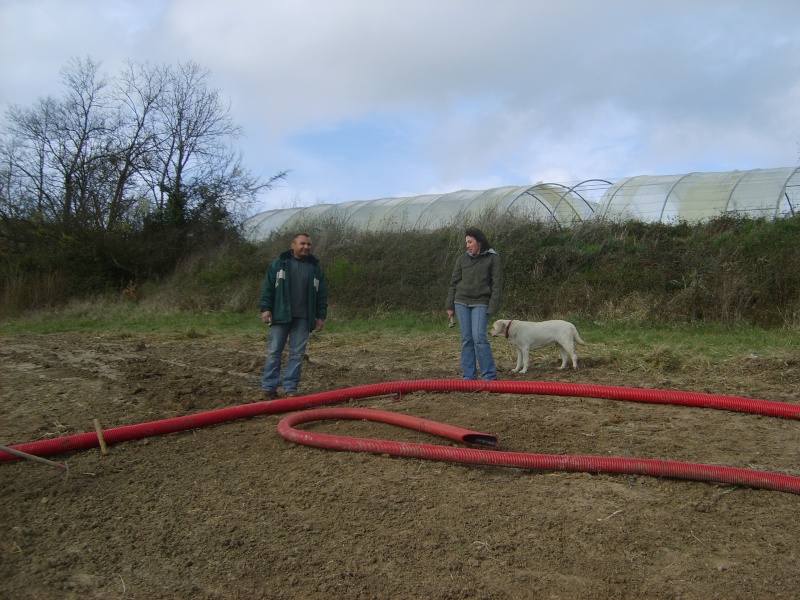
(367, 99)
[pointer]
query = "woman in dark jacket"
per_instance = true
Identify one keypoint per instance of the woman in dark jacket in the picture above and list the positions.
(476, 289)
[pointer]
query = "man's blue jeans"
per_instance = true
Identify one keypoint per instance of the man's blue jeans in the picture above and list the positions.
(297, 334)
(475, 347)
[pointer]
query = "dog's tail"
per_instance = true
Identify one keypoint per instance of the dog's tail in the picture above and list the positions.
(577, 336)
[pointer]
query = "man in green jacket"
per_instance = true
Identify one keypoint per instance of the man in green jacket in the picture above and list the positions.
(294, 302)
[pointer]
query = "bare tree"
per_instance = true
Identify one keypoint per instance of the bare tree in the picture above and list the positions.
(155, 141)
(197, 128)
(137, 93)
(120, 177)
(29, 185)
(79, 141)
(56, 150)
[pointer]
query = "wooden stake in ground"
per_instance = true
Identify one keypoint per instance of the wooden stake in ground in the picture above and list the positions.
(100, 438)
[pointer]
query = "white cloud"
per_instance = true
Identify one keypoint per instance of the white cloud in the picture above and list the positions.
(367, 99)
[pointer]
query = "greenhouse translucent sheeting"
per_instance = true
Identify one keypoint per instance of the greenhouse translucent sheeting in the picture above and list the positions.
(552, 202)
(768, 193)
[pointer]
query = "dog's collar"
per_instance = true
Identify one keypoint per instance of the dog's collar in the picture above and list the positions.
(508, 327)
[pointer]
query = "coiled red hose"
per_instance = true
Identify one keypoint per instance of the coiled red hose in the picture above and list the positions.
(570, 463)
(539, 462)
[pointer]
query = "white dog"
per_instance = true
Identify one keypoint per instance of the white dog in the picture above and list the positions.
(527, 336)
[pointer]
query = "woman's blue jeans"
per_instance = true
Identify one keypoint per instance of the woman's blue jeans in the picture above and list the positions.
(296, 333)
(475, 347)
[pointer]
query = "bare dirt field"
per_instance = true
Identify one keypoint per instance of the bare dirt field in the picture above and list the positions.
(235, 511)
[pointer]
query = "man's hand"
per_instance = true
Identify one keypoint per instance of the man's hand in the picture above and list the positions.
(320, 325)
(266, 316)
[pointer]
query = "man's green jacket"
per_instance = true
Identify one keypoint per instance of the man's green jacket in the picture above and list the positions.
(275, 291)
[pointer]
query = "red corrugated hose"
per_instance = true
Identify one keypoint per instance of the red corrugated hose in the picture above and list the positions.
(543, 462)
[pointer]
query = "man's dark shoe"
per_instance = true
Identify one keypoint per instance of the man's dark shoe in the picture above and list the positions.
(268, 395)
(290, 395)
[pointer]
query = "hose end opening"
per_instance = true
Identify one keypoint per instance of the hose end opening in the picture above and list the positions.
(481, 439)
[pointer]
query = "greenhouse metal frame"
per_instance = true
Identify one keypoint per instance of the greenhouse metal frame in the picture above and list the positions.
(771, 193)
